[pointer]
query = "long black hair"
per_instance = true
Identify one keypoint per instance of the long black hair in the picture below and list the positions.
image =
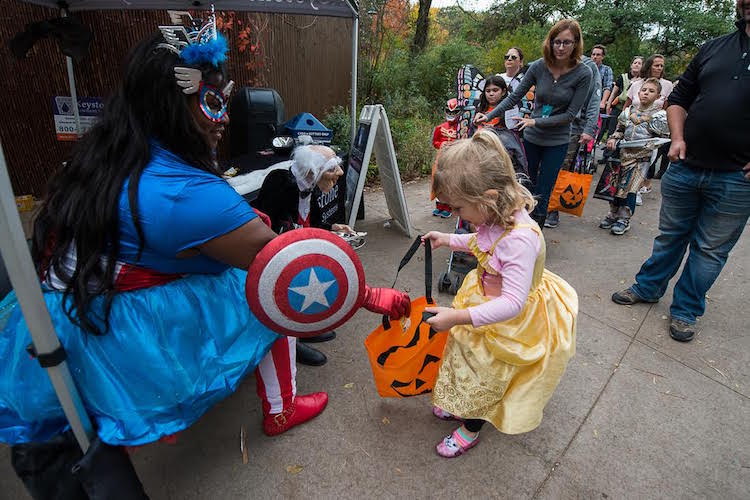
(497, 81)
(81, 210)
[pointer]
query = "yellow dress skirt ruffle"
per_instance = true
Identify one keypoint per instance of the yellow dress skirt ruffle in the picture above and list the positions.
(506, 372)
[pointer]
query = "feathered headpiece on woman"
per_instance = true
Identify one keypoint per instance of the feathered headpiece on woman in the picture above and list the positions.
(198, 44)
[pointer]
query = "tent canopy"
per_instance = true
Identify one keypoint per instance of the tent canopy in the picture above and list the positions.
(333, 8)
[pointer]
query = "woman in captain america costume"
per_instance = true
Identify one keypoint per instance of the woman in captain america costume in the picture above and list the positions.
(142, 249)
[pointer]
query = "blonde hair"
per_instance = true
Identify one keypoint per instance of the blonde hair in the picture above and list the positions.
(467, 168)
(559, 27)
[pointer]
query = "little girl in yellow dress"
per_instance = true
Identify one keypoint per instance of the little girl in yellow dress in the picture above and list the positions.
(513, 322)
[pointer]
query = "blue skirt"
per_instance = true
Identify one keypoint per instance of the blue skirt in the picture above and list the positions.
(171, 353)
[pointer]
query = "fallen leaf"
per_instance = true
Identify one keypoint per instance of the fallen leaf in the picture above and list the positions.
(398, 470)
(664, 317)
(294, 469)
(349, 385)
(243, 447)
(386, 421)
(622, 282)
(654, 380)
(596, 434)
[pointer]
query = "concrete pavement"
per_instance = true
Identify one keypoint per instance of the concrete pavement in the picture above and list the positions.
(637, 415)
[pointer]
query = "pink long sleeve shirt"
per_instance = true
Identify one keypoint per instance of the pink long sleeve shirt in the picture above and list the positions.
(513, 259)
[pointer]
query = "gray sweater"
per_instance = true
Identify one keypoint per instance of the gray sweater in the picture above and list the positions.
(588, 118)
(556, 104)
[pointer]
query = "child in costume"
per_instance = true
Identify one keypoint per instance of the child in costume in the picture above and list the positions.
(512, 325)
(645, 120)
(495, 89)
(446, 132)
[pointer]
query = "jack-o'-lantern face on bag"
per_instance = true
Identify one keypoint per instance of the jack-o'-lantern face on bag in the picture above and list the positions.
(570, 198)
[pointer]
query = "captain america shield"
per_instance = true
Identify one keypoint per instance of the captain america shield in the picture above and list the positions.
(305, 282)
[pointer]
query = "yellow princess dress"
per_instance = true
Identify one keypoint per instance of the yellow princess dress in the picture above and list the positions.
(506, 372)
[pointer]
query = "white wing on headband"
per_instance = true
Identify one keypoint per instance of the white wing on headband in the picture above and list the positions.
(176, 16)
(176, 36)
(188, 78)
(227, 91)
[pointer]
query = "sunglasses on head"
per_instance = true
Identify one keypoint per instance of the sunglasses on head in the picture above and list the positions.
(509, 57)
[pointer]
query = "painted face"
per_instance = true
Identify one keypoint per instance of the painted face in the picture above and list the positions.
(598, 56)
(563, 45)
(493, 93)
(635, 66)
(648, 94)
(208, 107)
(657, 68)
(513, 61)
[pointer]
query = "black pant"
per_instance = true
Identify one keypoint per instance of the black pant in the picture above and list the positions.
(473, 424)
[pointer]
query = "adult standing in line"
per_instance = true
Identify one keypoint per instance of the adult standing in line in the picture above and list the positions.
(582, 130)
(562, 84)
(513, 76)
(607, 76)
(706, 189)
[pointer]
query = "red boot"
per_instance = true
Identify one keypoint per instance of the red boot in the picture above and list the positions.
(303, 408)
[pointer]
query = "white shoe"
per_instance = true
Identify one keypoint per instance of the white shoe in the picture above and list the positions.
(638, 199)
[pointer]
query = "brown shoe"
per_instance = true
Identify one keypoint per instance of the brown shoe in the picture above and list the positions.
(627, 298)
(681, 331)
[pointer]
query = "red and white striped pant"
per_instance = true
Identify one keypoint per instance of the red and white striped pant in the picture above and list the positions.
(276, 376)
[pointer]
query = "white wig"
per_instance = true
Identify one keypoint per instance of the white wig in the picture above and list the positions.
(309, 165)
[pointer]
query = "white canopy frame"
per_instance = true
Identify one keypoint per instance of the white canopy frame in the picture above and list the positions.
(14, 249)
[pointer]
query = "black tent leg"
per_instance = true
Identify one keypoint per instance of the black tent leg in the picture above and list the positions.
(106, 472)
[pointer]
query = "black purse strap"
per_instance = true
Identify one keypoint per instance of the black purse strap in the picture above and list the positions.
(427, 271)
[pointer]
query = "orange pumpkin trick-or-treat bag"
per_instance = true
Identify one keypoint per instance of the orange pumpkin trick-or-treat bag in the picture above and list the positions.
(572, 186)
(405, 354)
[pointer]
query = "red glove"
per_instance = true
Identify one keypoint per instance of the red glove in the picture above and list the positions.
(263, 217)
(388, 301)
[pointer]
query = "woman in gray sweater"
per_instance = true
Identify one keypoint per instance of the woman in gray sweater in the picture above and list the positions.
(562, 84)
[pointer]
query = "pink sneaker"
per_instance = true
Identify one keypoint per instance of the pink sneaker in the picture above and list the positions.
(455, 444)
(444, 415)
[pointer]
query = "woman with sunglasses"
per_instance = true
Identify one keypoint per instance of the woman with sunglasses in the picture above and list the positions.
(562, 85)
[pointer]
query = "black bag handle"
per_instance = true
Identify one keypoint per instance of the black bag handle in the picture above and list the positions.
(427, 271)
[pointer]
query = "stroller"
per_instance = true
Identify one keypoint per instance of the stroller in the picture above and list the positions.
(459, 264)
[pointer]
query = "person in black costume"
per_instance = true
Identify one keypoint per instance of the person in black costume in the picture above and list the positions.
(287, 197)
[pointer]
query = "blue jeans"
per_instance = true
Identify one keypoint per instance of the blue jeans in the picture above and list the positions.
(544, 165)
(707, 210)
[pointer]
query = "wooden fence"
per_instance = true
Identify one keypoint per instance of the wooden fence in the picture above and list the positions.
(306, 59)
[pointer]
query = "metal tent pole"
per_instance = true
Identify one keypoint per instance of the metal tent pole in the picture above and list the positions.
(15, 253)
(72, 85)
(355, 45)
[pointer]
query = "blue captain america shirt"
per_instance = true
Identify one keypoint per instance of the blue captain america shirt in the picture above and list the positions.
(180, 207)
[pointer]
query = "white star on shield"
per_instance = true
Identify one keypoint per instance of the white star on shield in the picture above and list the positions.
(314, 291)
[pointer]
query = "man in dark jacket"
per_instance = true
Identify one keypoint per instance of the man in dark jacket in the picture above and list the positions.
(706, 190)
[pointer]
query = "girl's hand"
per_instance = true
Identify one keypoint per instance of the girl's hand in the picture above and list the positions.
(480, 118)
(446, 318)
(437, 239)
(611, 144)
(524, 123)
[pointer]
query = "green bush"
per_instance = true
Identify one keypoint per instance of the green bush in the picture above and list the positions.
(339, 120)
(412, 138)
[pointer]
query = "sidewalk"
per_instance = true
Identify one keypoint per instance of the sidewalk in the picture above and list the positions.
(637, 415)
